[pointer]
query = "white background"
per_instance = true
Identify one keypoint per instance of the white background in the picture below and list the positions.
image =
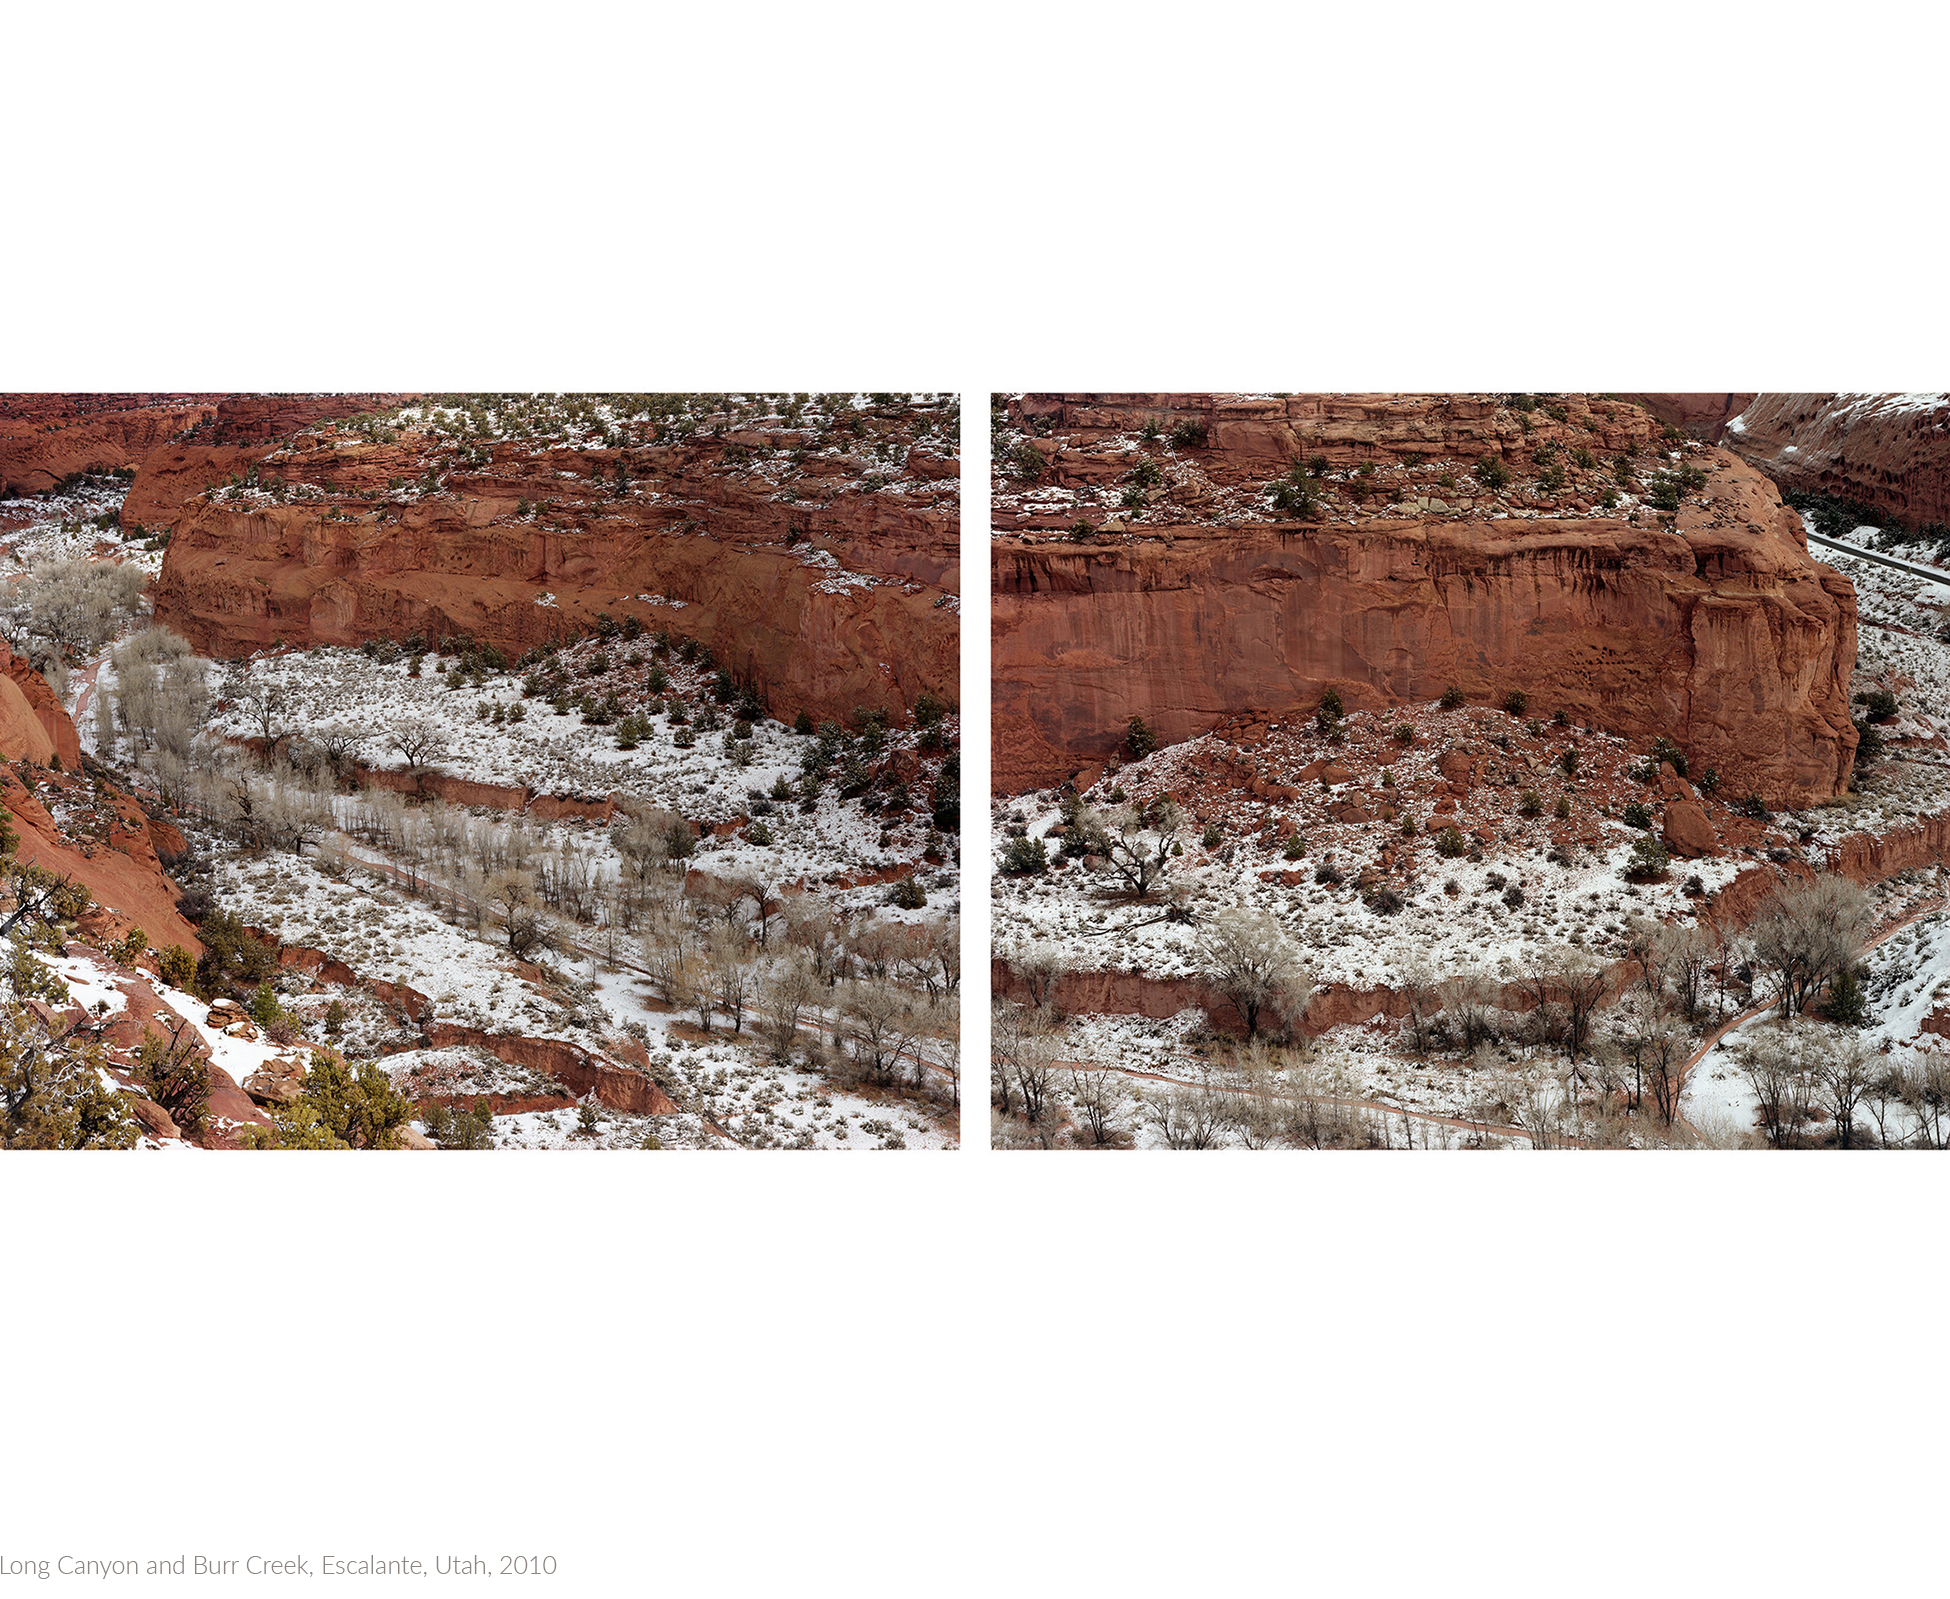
(974, 1372)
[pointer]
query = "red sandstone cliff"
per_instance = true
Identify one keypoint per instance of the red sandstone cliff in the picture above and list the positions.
(840, 596)
(1704, 416)
(1715, 628)
(1891, 451)
(46, 438)
(107, 843)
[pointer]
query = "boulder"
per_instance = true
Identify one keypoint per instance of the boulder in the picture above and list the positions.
(1687, 830)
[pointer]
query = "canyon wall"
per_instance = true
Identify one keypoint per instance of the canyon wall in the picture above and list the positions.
(47, 438)
(1704, 416)
(1714, 627)
(1890, 451)
(825, 604)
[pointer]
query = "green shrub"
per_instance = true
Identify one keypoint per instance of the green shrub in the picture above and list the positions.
(1530, 804)
(1296, 847)
(1492, 473)
(1847, 1004)
(1452, 698)
(1450, 842)
(1140, 739)
(1024, 855)
(1648, 860)
(1404, 733)
(1515, 701)
(1637, 814)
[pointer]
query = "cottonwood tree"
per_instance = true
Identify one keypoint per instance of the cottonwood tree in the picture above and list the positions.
(1686, 955)
(1421, 991)
(1926, 1095)
(729, 964)
(1039, 966)
(881, 1027)
(1668, 1066)
(1189, 1118)
(1773, 1060)
(784, 997)
(1250, 960)
(1566, 988)
(71, 608)
(1469, 1003)
(1097, 1100)
(1807, 933)
(1844, 1070)
(419, 742)
(1023, 1051)
(524, 921)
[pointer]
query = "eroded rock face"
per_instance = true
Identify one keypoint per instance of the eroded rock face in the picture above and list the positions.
(1715, 628)
(1890, 451)
(1704, 416)
(837, 598)
(47, 438)
(108, 845)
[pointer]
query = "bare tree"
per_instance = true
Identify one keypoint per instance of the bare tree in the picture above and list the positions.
(1135, 840)
(524, 922)
(881, 1026)
(729, 962)
(1774, 1064)
(1421, 991)
(783, 999)
(1251, 961)
(1189, 1118)
(1668, 1066)
(1807, 933)
(1097, 1098)
(1686, 954)
(419, 742)
(1926, 1095)
(1844, 1070)
(1040, 966)
(1469, 1002)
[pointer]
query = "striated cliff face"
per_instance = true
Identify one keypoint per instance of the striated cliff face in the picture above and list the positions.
(1712, 626)
(45, 438)
(1704, 416)
(840, 592)
(1891, 451)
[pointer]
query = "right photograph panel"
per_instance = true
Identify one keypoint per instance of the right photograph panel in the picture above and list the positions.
(1470, 771)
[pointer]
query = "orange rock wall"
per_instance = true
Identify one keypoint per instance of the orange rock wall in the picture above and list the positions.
(1726, 637)
(1875, 449)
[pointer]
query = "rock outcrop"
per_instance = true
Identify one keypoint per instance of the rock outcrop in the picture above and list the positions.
(1713, 626)
(107, 843)
(1704, 416)
(837, 595)
(46, 439)
(1888, 451)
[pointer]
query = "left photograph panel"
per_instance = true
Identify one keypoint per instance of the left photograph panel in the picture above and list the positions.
(479, 771)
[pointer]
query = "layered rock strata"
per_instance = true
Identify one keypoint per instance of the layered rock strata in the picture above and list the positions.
(1712, 626)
